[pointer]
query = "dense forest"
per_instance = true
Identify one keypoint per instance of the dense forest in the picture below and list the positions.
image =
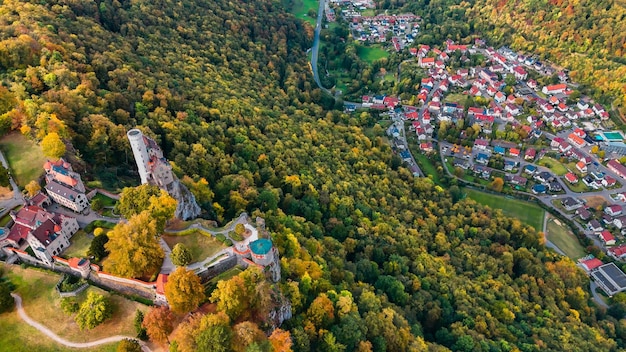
(373, 259)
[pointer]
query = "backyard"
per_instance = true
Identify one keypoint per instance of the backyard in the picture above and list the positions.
(200, 244)
(526, 212)
(42, 303)
(79, 245)
(562, 237)
(25, 158)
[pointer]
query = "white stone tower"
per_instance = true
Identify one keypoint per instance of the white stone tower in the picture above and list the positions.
(140, 151)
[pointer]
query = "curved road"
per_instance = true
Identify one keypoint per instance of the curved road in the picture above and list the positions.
(64, 342)
(316, 46)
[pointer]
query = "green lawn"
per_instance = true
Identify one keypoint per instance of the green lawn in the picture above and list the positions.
(212, 284)
(562, 237)
(300, 8)
(456, 98)
(200, 244)
(527, 212)
(427, 166)
(552, 164)
(25, 158)
(79, 245)
(42, 303)
(106, 201)
(578, 187)
(370, 54)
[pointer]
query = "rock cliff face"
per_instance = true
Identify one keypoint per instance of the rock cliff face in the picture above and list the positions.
(187, 207)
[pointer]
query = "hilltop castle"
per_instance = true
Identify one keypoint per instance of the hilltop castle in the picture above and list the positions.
(156, 170)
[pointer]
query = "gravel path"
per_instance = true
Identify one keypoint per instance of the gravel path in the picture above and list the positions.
(64, 342)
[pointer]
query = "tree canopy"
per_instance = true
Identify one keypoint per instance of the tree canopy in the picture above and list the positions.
(93, 311)
(134, 248)
(183, 291)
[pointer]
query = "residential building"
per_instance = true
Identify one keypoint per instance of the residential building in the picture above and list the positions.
(616, 167)
(618, 252)
(65, 186)
(554, 89)
(613, 210)
(571, 203)
(607, 238)
(595, 226)
(581, 166)
(571, 178)
(591, 264)
(530, 154)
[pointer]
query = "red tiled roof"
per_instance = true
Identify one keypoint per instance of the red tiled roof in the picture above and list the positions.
(160, 283)
(592, 263)
(618, 251)
(607, 236)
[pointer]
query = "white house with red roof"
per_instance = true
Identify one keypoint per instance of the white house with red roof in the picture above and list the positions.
(426, 62)
(618, 252)
(591, 264)
(613, 210)
(554, 89)
(616, 167)
(571, 178)
(520, 73)
(576, 141)
(608, 181)
(530, 154)
(607, 238)
(499, 98)
(481, 144)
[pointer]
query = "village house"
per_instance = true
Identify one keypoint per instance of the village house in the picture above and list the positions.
(595, 226)
(530, 169)
(571, 178)
(554, 89)
(591, 264)
(584, 214)
(616, 167)
(576, 140)
(613, 210)
(581, 166)
(530, 154)
(607, 238)
(608, 181)
(571, 203)
(617, 252)
(620, 222)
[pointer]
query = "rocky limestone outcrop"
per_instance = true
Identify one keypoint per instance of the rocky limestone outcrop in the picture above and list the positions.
(187, 207)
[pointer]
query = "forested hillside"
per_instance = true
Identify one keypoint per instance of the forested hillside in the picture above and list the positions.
(373, 258)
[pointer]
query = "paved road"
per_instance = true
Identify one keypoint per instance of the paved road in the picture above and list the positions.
(64, 342)
(596, 297)
(316, 46)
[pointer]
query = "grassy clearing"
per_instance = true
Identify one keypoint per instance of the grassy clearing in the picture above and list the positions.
(579, 187)
(42, 303)
(301, 8)
(370, 54)
(427, 167)
(200, 244)
(18, 336)
(106, 201)
(562, 237)
(25, 158)
(212, 284)
(595, 201)
(79, 245)
(554, 165)
(455, 97)
(527, 212)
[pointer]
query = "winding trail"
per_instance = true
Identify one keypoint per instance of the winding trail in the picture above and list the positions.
(64, 342)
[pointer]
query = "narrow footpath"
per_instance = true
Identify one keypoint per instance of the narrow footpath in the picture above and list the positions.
(64, 342)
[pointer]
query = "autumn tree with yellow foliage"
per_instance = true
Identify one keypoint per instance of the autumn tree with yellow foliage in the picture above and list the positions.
(184, 291)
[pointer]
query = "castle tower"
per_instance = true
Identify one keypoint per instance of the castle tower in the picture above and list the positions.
(140, 151)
